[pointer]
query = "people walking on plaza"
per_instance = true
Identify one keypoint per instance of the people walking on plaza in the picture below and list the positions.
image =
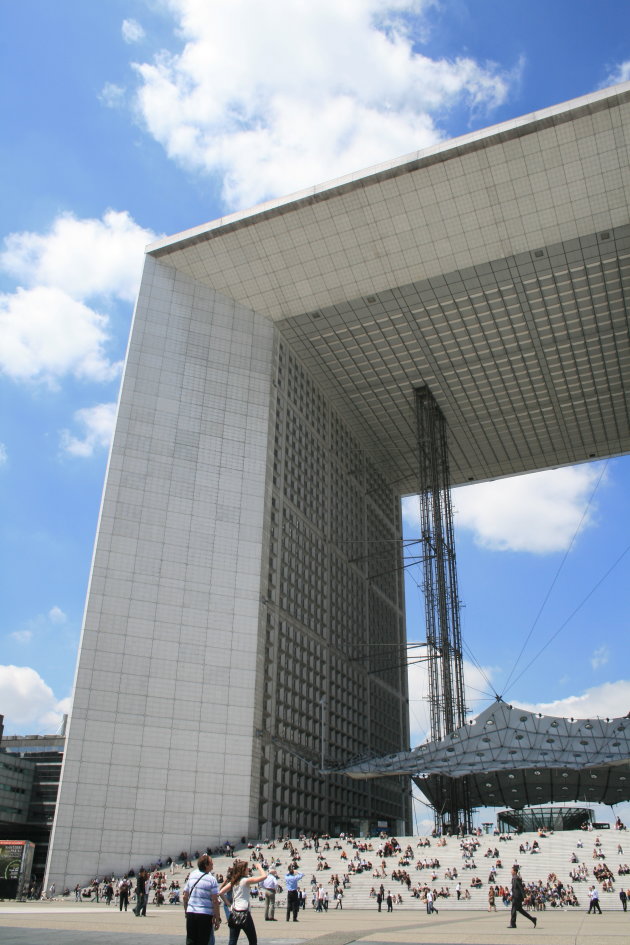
(241, 917)
(430, 903)
(624, 900)
(202, 906)
(142, 893)
(379, 900)
(594, 905)
(270, 887)
(124, 888)
(319, 894)
(390, 902)
(518, 896)
(291, 881)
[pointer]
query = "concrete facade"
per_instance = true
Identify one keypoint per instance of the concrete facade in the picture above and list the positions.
(224, 612)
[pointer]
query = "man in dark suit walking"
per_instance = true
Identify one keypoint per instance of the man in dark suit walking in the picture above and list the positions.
(518, 895)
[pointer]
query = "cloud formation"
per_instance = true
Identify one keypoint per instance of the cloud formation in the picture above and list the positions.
(84, 258)
(132, 31)
(45, 334)
(55, 324)
(29, 704)
(275, 97)
(537, 513)
(620, 73)
(112, 95)
(540, 512)
(609, 700)
(98, 426)
(600, 656)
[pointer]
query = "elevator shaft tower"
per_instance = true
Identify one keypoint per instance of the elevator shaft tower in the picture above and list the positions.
(443, 630)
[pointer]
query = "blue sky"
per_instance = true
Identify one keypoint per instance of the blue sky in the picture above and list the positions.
(123, 121)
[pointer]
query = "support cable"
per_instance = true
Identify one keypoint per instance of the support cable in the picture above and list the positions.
(556, 576)
(574, 612)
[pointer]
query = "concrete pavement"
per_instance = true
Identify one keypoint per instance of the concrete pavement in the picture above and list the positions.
(66, 923)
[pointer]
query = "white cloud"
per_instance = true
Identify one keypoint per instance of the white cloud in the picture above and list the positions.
(131, 31)
(539, 512)
(27, 702)
(36, 624)
(620, 73)
(49, 326)
(274, 97)
(56, 615)
(477, 690)
(112, 95)
(98, 424)
(4, 456)
(45, 334)
(600, 656)
(610, 700)
(86, 259)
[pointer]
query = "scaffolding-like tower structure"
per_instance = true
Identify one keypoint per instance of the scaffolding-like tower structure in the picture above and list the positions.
(443, 629)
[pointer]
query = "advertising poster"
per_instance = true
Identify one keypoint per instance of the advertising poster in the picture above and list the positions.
(16, 858)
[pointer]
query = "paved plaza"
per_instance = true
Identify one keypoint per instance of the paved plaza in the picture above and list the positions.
(59, 923)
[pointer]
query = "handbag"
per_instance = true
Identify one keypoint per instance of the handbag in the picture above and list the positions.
(237, 918)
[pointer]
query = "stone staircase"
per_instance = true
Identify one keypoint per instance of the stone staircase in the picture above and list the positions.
(554, 857)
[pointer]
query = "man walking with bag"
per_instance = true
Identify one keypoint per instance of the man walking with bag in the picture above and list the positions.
(201, 904)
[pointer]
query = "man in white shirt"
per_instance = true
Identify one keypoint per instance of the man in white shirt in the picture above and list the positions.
(271, 886)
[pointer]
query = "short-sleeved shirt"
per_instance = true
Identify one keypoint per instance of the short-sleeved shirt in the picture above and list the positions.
(204, 886)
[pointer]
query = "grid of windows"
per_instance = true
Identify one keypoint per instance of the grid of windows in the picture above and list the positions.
(332, 590)
(347, 618)
(303, 579)
(380, 493)
(347, 718)
(347, 528)
(383, 557)
(385, 718)
(294, 381)
(345, 450)
(304, 468)
(387, 656)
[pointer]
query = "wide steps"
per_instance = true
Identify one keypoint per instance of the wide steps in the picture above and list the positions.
(554, 857)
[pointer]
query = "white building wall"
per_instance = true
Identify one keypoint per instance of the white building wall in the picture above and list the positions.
(161, 739)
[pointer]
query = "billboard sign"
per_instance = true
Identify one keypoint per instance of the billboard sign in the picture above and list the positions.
(16, 860)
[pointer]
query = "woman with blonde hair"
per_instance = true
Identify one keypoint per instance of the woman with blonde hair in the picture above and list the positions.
(240, 883)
